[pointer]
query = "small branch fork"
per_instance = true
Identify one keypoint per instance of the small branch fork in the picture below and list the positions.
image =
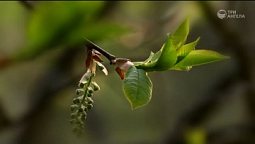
(112, 58)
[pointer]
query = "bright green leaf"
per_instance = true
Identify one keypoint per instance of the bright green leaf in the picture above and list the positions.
(150, 62)
(149, 59)
(174, 55)
(137, 87)
(161, 60)
(200, 57)
(185, 49)
(180, 35)
(168, 56)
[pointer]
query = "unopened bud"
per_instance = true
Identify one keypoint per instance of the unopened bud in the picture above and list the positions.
(90, 94)
(90, 106)
(90, 100)
(79, 91)
(83, 117)
(95, 86)
(90, 90)
(80, 110)
(82, 84)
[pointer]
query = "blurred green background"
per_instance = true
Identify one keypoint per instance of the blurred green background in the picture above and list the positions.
(42, 57)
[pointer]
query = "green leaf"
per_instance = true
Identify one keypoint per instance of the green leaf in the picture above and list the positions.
(161, 60)
(137, 87)
(149, 59)
(174, 55)
(187, 48)
(168, 56)
(150, 62)
(180, 35)
(200, 57)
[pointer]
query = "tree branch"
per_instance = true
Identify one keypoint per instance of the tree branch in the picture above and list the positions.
(110, 57)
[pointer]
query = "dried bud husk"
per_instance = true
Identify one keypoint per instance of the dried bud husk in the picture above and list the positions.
(90, 90)
(122, 66)
(85, 77)
(102, 68)
(89, 100)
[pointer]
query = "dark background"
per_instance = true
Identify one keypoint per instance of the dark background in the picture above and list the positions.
(42, 57)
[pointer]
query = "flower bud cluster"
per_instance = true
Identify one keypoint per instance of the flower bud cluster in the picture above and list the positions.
(82, 102)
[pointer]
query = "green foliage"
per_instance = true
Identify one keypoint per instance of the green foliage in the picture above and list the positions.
(137, 87)
(199, 57)
(166, 57)
(174, 55)
(161, 60)
(64, 24)
(186, 49)
(179, 37)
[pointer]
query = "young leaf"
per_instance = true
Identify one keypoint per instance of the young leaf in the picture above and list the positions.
(149, 59)
(168, 56)
(199, 57)
(185, 49)
(180, 35)
(150, 62)
(161, 60)
(137, 87)
(154, 58)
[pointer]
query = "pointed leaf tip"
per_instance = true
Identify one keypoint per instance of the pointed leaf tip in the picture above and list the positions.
(186, 49)
(180, 35)
(200, 57)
